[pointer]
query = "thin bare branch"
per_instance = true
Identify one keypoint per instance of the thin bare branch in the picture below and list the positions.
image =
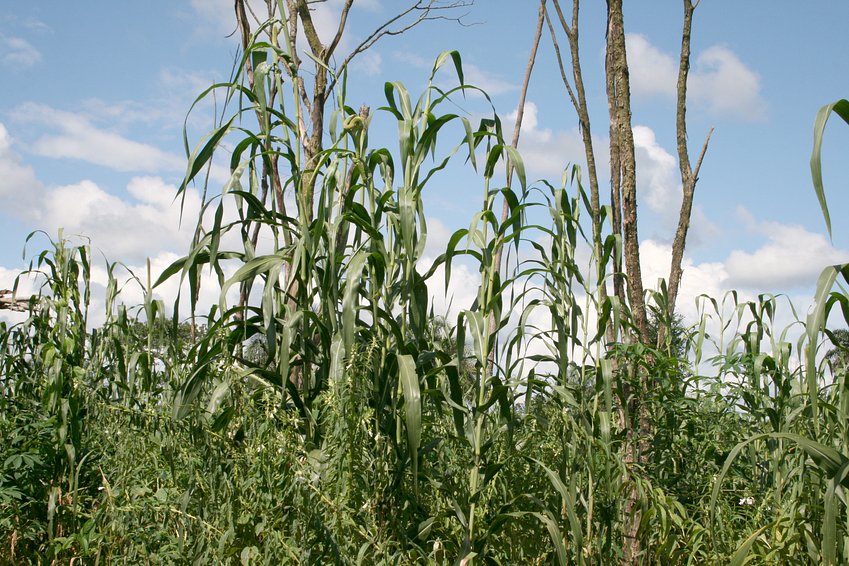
(681, 92)
(310, 32)
(566, 28)
(689, 177)
(579, 102)
(701, 158)
(427, 11)
(560, 65)
(343, 20)
(517, 129)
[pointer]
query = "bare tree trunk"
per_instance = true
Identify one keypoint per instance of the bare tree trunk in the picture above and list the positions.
(615, 181)
(689, 176)
(625, 176)
(623, 198)
(617, 70)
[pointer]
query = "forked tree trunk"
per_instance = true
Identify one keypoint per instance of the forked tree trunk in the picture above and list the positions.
(689, 176)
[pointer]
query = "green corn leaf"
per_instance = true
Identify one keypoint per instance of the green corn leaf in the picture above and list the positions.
(480, 337)
(739, 557)
(815, 323)
(202, 154)
(412, 410)
(841, 108)
(349, 301)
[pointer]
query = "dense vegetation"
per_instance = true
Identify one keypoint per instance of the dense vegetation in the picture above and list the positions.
(323, 413)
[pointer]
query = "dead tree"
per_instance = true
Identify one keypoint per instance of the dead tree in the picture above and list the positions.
(627, 278)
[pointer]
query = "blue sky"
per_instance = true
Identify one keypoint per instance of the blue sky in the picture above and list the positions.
(96, 93)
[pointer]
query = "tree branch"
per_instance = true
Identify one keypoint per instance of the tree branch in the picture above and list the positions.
(343, 19)
(428, 12)
(689, 177)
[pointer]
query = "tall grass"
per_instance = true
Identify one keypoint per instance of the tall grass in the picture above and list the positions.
(324, 413)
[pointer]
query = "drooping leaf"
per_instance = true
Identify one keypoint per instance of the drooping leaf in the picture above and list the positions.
(841, 108)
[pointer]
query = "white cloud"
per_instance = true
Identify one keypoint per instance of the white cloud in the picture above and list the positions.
(659, 185)
(718, 81)
(26, 287)
(546, 152)
(20, 189)
(710, 278)
(129, 230)
(458, 296)
(491, 83)
(369, 63)
(790, 260)
(652, 72)
(18, 52)
(131, 291)
(792, 256)
(78, 138)
(657, 172)
(726, 86)
(712, 281)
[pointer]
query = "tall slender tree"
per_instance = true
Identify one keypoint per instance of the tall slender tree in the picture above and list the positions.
(627, 276)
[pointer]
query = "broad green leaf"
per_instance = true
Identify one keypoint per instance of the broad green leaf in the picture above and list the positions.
(412, 410)
(203, 153)
(816, 323)
(742, 551)
(841, 108)
(350, 299)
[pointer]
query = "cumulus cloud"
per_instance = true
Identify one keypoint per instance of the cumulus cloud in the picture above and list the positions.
(20, 189)
(79, 138)
(791, 257)
(491, 83)
(547, 152)
(76, 136)
(704, 283)
(17, 52)
(789, 261)
(652, 71)
(659, 185)
(719, 81)
(131, 279)
(709, 278)
(369, 63)
(657, 172)
(726, 85)
(26, 287)
(129, 230)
